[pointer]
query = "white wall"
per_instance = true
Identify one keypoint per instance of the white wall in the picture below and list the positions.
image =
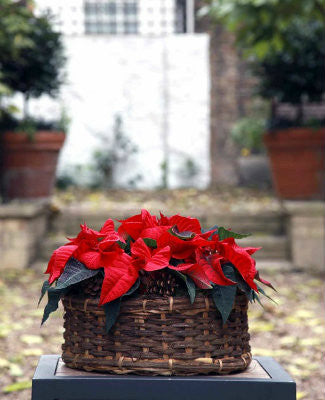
(155, 84)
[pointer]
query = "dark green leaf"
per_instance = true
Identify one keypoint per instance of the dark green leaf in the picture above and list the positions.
(225, 234)
(235, 276)
(133, 288)
(126, 246)
(74, 272)
(150, 242)
(185, 235)
(190, 285)
(112, 310)
(256, 297)
(265, 294)
(224, 297)
(174, 262)
(230, 271)
(121, 244)
(45, 287)
(54, 296)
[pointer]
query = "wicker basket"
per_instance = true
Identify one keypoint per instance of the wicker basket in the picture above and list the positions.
(156, 336)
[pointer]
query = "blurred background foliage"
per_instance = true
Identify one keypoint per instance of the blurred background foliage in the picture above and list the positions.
(31, 61)
(283, 42)
(261, 26)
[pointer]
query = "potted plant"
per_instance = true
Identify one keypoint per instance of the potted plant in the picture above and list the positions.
(283, 42)
(32, 67)
(247, 133)
(157, 296)
(296, 145)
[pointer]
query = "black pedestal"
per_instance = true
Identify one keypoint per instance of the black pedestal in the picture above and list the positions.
(264, 380)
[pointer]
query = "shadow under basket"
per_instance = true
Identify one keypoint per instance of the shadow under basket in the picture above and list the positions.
(156, 336)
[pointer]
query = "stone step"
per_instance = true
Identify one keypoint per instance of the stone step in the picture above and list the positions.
(272, 266)
(268, 222)
(273, 247)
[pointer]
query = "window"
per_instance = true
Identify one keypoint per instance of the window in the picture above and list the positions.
(111, 16)
(180, 16)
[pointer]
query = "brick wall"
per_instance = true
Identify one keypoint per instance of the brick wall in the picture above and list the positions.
(231, 89)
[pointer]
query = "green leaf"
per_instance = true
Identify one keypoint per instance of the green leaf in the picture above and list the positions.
(126, 246)
(45, 287)
(54, 296)
(236, 277)
(225, 234)
(133, 288)
(265, 294)
(256, 297)
(185, 235)
(112, 310)
(190, 285)
(230, 271)
(15, 387)
(121, 244)
(150, 242)
(174, 262)
(74, 272)
(224, 298)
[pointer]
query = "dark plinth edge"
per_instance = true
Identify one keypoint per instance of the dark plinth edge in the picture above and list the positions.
(266, 380)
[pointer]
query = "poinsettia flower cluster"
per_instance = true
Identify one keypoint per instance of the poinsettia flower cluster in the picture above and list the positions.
(144, 243)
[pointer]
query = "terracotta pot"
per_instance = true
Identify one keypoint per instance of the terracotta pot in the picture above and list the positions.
(28, 166)
(297, 158)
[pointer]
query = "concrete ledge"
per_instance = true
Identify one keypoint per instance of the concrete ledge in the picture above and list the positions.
(310, 208)
(306, 227)
(24, 210)
(21, 227)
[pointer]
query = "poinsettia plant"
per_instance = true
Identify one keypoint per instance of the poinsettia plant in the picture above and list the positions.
(142, 247)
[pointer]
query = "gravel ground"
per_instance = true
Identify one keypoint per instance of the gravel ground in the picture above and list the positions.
(293, 332)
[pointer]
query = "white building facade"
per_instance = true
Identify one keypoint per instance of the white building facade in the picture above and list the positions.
(136, 59)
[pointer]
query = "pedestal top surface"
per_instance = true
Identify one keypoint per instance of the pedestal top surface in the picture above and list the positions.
(255, 370)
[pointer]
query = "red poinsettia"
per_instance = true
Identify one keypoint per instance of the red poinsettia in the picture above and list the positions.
(85, 247)
(149, 259)
(133, 256)
(146, 243)
(240, 257)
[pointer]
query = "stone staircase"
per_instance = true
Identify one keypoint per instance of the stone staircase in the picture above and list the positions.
(268, 230)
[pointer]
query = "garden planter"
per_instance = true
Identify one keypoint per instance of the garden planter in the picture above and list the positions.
(254, 171)
(297, 158)
(156, 336)
(28, 165)
(157, 296)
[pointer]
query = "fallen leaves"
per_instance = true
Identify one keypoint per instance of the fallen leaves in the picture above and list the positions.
(35, 352)
(31, 339)
(15, 387)
(293, 332)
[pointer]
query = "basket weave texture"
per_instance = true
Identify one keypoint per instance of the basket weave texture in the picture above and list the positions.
(156, 336)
